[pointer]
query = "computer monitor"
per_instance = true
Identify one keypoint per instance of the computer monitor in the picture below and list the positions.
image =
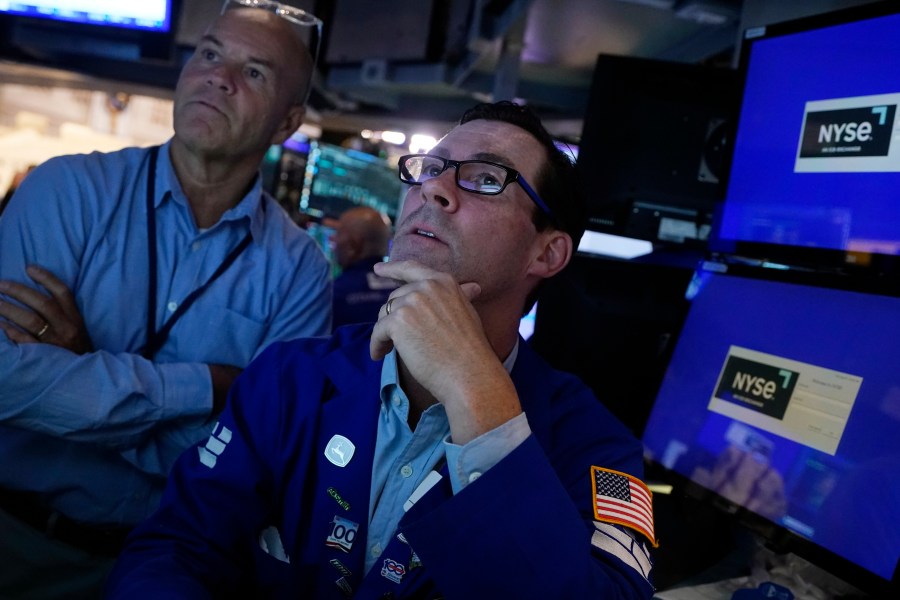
(154, 15)
(113, 39)
(781, 406)
(652, 148)
(816, 156)
(339, 178)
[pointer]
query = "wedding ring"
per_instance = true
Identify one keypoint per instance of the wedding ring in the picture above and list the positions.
(387, 307)
(43, 330)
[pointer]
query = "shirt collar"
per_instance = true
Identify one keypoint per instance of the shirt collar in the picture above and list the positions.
(251, 205)
(390, 377)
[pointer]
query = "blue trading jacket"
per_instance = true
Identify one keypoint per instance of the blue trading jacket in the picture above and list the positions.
(525, 529)
(359, 293)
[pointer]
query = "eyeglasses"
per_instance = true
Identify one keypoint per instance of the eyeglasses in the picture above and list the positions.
(477, 176)
(310, 26)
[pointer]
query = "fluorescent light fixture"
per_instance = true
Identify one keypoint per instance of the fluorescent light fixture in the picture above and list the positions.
(707, 12)
(393, 137)
(420, 142)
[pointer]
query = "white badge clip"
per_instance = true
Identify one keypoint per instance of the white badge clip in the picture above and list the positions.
(427, 483)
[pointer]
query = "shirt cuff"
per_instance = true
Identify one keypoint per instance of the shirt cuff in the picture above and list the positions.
(187, 389)
(467, 463)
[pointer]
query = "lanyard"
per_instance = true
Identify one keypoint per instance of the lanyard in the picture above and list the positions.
(155, 339)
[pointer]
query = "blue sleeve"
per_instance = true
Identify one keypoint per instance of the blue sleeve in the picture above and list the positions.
(198, 544)
(115, 399)
(468, 462)
(538, 542)
(531, 516)
(148, 411)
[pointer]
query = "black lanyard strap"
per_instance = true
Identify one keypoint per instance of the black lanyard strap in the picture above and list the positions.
(155, 339)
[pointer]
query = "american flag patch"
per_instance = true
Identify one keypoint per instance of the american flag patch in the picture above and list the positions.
(623, 499)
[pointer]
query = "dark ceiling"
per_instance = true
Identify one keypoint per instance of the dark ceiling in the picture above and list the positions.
(426, 61)
(417, 64)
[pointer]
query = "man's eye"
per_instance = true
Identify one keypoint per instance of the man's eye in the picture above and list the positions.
(208, 54)
(487, 180)
(431, 170)
(255, 73)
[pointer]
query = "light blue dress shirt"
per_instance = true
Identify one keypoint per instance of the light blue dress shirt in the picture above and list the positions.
(97, 433)
(403, 458)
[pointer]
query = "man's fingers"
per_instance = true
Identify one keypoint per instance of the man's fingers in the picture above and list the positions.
(53, 319)
(405, 271)
(16, 335)
(23, 293)
(380, 344)
(470, 290)
(24, 318)
(59, 290)
(409, 271)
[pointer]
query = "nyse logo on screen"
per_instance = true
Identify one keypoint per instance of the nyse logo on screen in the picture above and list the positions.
(757, 386)
(840, 133)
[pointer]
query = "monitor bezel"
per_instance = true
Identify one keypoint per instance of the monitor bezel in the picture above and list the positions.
(777, 538)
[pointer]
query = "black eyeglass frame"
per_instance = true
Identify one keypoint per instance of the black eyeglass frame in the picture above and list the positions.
(512, 176)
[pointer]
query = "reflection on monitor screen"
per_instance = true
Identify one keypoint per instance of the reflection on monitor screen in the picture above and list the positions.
(784, 399)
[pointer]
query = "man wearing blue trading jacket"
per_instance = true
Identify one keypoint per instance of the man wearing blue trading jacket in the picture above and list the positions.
(434, 456)
(134, 286)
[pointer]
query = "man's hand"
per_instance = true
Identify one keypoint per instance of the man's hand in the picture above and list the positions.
(51, 319)
(222, 377)
(441, 342)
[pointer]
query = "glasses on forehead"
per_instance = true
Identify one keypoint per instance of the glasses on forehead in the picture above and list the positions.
(476, 176)
(308, 25)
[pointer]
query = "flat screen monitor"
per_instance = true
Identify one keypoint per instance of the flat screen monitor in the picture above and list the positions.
(113, 39)
(339, 178)
(814, 175)
(153, 15)
(781, 405)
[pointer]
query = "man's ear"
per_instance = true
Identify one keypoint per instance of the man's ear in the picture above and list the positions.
(555, 254)
(354, 247)
(291, 123)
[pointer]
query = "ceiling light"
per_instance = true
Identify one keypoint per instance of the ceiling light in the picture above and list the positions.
(707, 12)
(393, 137)
(420, 142)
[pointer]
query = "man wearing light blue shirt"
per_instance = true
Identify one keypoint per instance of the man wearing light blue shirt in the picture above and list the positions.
(134, 287)
(432, 455)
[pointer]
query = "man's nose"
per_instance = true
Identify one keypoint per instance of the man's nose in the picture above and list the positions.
(221, 76)
(443, 190)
